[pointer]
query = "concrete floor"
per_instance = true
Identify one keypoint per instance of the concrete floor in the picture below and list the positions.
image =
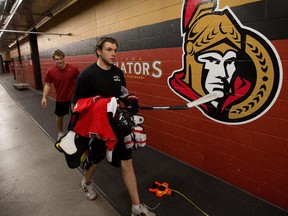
(34, 181)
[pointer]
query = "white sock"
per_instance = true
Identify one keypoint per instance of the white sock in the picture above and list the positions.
(87, 182)
(136, 207)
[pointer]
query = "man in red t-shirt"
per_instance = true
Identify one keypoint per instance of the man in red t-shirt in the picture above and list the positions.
(63, 77)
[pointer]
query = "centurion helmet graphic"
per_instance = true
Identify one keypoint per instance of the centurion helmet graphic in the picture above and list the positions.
(222, 55)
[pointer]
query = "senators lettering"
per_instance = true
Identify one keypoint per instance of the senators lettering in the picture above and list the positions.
(141, 68)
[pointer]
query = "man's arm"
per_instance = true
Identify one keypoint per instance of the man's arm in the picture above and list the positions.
(46, 91)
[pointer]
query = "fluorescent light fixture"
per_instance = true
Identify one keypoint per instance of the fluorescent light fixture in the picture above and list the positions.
(55, 11)
(12, 12)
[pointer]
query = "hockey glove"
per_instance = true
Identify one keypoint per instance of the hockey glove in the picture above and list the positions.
(131, 103)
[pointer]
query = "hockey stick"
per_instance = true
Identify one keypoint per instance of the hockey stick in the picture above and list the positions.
(206, 98)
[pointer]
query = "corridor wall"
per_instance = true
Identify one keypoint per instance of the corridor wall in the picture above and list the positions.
(156, 46)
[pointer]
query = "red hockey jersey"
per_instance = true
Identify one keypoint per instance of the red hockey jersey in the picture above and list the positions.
(93, 119)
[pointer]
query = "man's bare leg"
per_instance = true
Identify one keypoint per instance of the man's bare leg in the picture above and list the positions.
(90, 172)
(59, 123)
(129, 179)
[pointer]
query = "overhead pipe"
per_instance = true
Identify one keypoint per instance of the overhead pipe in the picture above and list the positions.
(30, 32)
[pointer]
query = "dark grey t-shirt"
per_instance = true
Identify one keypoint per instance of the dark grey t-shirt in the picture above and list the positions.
(95, 81)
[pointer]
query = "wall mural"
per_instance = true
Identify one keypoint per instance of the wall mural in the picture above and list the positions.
(220, 54)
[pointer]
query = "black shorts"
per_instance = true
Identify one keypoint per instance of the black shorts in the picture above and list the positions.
(62, 108)
(97, 151)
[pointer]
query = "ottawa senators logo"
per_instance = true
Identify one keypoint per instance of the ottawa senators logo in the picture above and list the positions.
(220, 54)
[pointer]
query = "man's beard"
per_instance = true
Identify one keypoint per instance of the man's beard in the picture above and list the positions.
(106, 62)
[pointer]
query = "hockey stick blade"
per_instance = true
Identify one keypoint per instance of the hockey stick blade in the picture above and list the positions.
(206, 98)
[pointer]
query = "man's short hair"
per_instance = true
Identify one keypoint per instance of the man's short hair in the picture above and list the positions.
(58, 52)
(100, 43)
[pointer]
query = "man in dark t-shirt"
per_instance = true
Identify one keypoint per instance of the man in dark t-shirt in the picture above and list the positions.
(104, 79)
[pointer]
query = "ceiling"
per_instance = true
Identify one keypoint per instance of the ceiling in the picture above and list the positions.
(19, 17)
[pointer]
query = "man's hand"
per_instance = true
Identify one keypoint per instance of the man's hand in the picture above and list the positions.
(131, 103)
(46, 91)
(44, 102)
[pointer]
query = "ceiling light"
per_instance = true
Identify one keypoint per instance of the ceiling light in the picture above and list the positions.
(12, 12)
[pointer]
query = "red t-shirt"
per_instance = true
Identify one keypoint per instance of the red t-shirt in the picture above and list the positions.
(63, 81)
